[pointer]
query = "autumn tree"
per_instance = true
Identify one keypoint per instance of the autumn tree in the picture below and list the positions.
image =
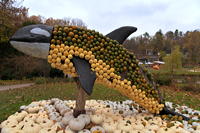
(192, 47)
(164, 44)
(173, 61)
(65, 21)
(157, 41)
(51, 21)
(77, 22)
(138, 44)
(33, 20)
(168, 41)
(12, 15)
(130, 44)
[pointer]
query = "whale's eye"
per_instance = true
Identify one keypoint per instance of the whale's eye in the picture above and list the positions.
(40, 31)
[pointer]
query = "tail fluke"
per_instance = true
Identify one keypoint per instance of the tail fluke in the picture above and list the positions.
(167, 111)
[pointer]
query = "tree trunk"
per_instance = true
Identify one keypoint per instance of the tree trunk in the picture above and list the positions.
(80, 100)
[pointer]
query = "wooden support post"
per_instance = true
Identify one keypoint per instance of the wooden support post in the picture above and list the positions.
(80, 100)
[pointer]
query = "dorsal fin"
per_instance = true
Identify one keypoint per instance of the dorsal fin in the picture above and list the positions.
(121, 33)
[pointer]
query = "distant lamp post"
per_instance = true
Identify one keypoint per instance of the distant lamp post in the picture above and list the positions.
(158, 56)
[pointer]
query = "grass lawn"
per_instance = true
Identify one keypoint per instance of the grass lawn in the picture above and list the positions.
(11, 100)
(13, 82)
(181, 97)
(183, 71)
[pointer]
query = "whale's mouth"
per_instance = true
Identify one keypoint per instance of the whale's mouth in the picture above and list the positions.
(35, 49)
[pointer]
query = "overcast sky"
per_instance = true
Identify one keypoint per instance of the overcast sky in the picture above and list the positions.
(107, 15)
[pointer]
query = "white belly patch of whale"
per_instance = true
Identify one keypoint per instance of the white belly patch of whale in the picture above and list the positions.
(40, 50)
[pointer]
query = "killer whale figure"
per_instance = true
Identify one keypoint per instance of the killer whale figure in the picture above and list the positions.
(34, 40)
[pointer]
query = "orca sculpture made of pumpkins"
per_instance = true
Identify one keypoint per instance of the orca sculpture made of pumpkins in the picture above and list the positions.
(87, 55)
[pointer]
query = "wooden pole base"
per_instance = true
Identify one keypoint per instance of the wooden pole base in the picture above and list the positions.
(80, 100)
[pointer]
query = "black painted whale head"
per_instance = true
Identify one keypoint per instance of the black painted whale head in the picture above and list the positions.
(33, 40)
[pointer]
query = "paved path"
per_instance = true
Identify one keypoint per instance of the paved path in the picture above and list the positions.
(7, 87)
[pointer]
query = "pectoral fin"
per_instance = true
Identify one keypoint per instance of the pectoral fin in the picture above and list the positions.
(86, 76)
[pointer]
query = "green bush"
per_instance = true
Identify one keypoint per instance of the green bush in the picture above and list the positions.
(55, 73)
(6, 50)
(163, 79)
(40, 80)
(7, 75)
(43, 80)
(190, 86)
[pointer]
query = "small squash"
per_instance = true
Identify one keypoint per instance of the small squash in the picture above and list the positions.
(125, 127)
(109, 127)
(90, 111)
(11, 130)
(76, 124)
(31, 117)
(55, 116)
(23, 107)
(31, 128)
(117, 131)
(47, 130)
(97, 129)
(9, 123)
(162, 130)
(68, 130)
(96, 119)
(121, 131)
(198, 127)
(64, 110)
(59, 106)
(56, 126)
(67, 117)
(33, 109)
(152, 126)
(84, 131)
(20, 116)
(85, 117)
(107, 119)
(117, 117)
(46, 123)
(137, 126)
